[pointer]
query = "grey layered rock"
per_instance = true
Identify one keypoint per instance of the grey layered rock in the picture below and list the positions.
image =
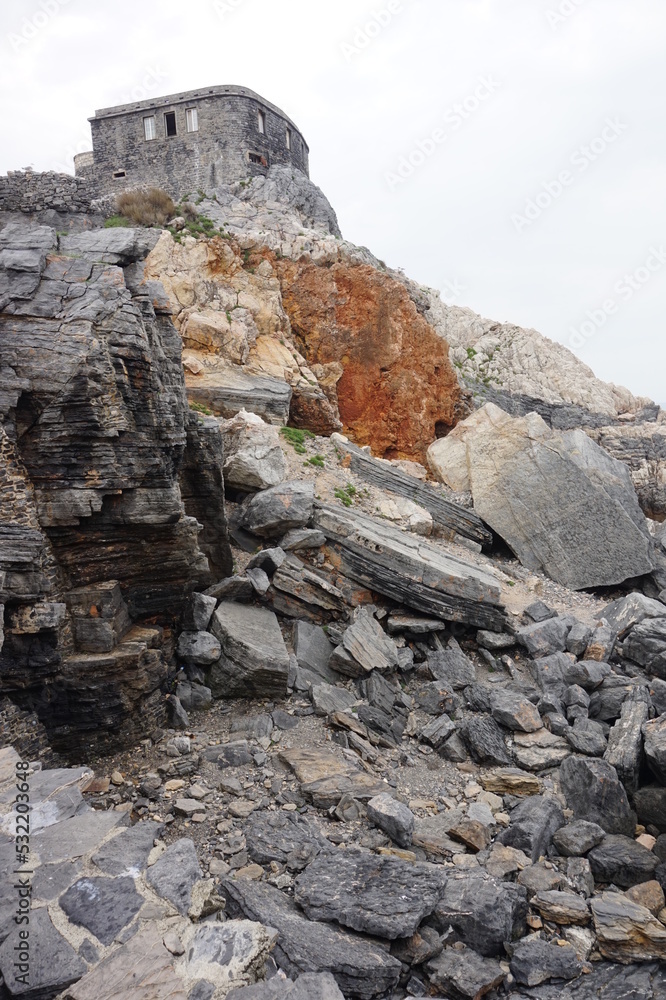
(483, 912)
(606, 702)
(514, 711)
(368, 645)
(72, 838)
(393, 817)
(269, 560)
(452, 667)
(625, 743)
(587, 736)
(622, 615)
(533, 823)
(234, 754)
(254, 659)
(623, 861)
(175, 873)
(654, 736)
(535, 961)
(382, 896)
(303, 538)
(232, 388)
(273, 512)
(127, 853)
(464, 974)
(578, 638)
(559, 501)
(437, 732)
(198, 612)
(102, 905)
(588, 674)
(410, 570)
(627, 932)
(646, 645)
(562, 908)
(53, 963)
(650, 806)
(594, 792)
(276, 836)
(199, 648)
(577, 838)
(360, 967)
(313, 650)
(485, 741)
(327, 699)
(253, 458)
(544, 638)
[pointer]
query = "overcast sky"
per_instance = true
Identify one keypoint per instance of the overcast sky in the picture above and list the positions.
(509, 152)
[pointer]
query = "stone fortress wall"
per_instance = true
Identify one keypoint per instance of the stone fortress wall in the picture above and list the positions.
(196, 140)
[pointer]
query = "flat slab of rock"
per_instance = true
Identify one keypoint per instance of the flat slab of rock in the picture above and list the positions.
(625, 743)
(127, 853)
(72, 838)
(175, 873)
(325, 778)
(622, 861)
(562, 907)
(310, 986)
(410, 570)
(511, 781)
(52, 966)
(560, 502)
(452, 666)
(368, 645)
(276, 836)
(229, 390)
(102, 905)
(384, 896)
(360, 967)
(627, 932)
(631, 610)
(255, 661)
(577, 838)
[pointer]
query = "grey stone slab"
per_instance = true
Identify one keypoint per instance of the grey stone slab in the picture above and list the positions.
(533, 823)
(175, 873)
(104, 906)
(577, 838)
(72, 838)
(50, 880)
(127, 853)
(52, 965)
(275, 511)
(623, 861)
(361, 967)
(255, 661)
(464, 974)
(594, 792)
(393, 817)
(535, 961)
(452, 666)
(483, 912)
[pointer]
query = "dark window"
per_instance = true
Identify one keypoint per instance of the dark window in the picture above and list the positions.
(261, 122)
(258, 159)
(119, 173)
(170, 123)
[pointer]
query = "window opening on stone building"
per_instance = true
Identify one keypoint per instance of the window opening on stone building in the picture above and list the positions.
(192, 119)
(261, 122)
(170, 122)
(257, 158)
(288, 138)
(119, 173)
(149, 127)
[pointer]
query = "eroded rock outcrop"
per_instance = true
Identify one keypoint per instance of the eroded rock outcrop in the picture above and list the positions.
(95, 429)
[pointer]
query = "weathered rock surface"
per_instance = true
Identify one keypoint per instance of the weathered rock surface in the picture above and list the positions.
(623, 861)
(385, 897)
(253, 458)
(594, 792)
(465, 974)
(274, 511)
(254, 657)
(627, 932)
(483, 912)
(534, 821)
(535, 961)
(393, 817)
(559, 501)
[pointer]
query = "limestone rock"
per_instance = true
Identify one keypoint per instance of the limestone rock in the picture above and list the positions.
(274, 511)
(175, 873)
(254, 659)
(564, 505)
(623, 861)
(592, 789)
(465, 974)
(199, 648)
(393, 817)
(534, 821)
(627, 932)
(535, 961)
(577, 838)
(483, 912)
(253, 458)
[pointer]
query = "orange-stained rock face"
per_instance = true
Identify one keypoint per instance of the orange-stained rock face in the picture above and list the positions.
(398, 390)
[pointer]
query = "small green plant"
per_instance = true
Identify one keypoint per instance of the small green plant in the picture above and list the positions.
(317, 460)
(296, 438)
(229, 317)
(351, 490)
(201, 408)
(471, 353)
(116, 221)
(342, 496)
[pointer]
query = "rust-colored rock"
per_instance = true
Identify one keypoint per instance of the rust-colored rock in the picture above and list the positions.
(398, 390)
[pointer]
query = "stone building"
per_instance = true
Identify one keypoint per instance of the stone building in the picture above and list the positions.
(188, 142)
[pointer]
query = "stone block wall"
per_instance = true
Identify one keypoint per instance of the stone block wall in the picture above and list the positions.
(227, 147)
(30, 193)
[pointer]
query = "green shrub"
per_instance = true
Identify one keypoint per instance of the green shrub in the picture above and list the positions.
(146, 208)
(296, 438)
(201, 408)
(317, 460)
(116, 220)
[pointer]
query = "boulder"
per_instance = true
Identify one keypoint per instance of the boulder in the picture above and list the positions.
(199, 648)
(483, 912)
(485, 741)
(622, 615)
(623, 861)
(561, 503)
(650, 806)
(587, 736)
(254, 661)
(274, 511)
(646, 645)
(464, 974)
(577, 838)
(384, 896)
(451, 666)
(627, 932)
(625, 742)
(253, 457)
(533, 823)
(536, 961)
(514, 712)
(393, 817)
(594, 792)
(368, 645)
(546, 637)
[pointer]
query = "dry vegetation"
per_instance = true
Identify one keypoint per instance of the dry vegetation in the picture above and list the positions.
(146, 208)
